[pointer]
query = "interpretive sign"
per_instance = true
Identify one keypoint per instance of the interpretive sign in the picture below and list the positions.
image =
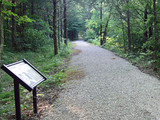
(25, 73)
(28, 76)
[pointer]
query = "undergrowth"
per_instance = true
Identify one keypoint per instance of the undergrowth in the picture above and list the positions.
(53, 67)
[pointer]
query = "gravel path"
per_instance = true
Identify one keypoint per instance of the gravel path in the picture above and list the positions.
(112, 89)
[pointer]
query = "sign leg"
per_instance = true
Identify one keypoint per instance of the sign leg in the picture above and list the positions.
(17, 100)
(35, 100)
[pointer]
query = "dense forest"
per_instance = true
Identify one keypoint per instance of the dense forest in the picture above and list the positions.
(40, 30)
(29, 25)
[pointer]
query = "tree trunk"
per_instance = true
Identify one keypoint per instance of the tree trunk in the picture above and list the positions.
(1, 33)
(23, 25)
(124, 40)
(155, 31)
(129, 29)
(155, 21)
(105, 30)
(65, 22)
(145, 27)
(32, 7)
(13, 28)
(151, 25)
(59, 27)
(101, 12)
(54, 27)
(150, 31)
(61, 20)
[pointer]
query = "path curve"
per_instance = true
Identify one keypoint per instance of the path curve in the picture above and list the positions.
(113, 89)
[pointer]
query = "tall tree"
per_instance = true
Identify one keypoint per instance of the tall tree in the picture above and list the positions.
(106, 26)
(151, 23)
(13, 27)
(65, 22)
(145, 24)
(128, 27)
(23, 24)
(1, 32)
(61, 20)
(58, 24)
(55, 27)
(101, 26)
(156, 49)
(155, 20)
(32, 7)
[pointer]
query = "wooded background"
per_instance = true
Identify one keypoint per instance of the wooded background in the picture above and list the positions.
(31, 24)
(40, 30)
(132, 25)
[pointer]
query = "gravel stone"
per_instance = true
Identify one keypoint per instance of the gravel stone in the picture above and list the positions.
(113, 89)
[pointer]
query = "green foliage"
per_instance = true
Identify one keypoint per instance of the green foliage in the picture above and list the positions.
(90, 34)
(53, 80)
(112, 44)
(42, 25)
(65, 50)
(20, 19)
(7, 3)
(33, 40)
(9, 14)
(24, 19)
(94, 41)
(7, 103)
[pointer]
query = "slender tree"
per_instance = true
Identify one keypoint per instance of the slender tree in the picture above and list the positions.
(129, 28)
(106, 26)
(145, 25)
(32, 7)
(101, 33)
(65, 22)
(155, 20)
(23, 25)
(13, 27)
(151, 24)
(58, 24)
(55, 27)
(123, 32)
(1, 32)
(61, 20)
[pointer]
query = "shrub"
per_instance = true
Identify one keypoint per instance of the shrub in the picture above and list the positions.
(33, 40)
(90, 34)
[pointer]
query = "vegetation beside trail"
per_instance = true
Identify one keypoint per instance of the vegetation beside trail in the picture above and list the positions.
(54, 69)
(143, 60)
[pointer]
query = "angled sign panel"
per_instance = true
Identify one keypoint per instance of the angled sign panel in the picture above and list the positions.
(26, 74)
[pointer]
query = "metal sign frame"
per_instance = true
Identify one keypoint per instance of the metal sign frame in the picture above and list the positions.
(14, 76)
(18, 80)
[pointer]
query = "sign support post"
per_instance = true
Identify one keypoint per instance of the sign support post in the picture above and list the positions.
(29, 77)
(35, 100)
(17, 100)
